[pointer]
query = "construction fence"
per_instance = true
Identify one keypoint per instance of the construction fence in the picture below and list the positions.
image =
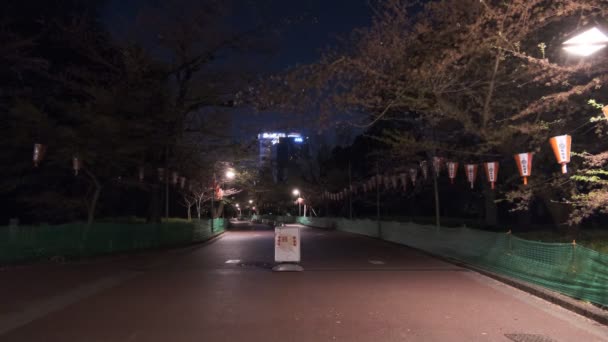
(567, 268)
(25, 243)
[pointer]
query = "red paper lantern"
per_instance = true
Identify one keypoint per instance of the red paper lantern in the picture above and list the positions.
(561, 148)
(605, 111)
(425, 169)
(182, 182)
(452, 170)
(394, 181)
(174, 177)
(76, 165)
(39, 151)
(491, 172)
(524, 165)
(413, 175)
(471, 172)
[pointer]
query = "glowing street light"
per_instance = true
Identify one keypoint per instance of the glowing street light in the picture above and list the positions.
(230, 174)
(299, 200)
(250, 201)
(586, 43)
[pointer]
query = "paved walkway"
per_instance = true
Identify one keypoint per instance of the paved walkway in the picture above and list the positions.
(353, 289)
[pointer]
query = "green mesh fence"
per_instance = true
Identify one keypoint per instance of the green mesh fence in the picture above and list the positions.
(317, 222)
(22, 243)
(570, 269)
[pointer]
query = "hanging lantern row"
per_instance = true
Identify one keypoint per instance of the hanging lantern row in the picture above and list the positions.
(524, 165)
(40, 152)
(76, 165)
(561, 146)
(452, 170)
(491, 172)
(425, 169)
(414, 175)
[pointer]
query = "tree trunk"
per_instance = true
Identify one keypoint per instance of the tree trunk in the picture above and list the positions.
(559, 212)
(491, 211)
(154, 206)
(437, 209)
(218, 212)
(189, 213)
(198, 209)
(93, 202)
(93, 205)
(485, 117)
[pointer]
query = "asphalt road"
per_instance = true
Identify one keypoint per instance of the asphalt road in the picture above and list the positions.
(353, 289)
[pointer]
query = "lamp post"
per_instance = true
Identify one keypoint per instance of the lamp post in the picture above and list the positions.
(299, 199)
(586, 43)
(252, 210)
(229, 174)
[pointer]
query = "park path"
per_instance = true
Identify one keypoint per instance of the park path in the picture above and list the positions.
(353, 288)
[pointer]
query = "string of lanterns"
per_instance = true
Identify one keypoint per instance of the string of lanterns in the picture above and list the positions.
(561, 146)
(175, 179)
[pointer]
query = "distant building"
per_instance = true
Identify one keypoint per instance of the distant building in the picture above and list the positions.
(279, 151)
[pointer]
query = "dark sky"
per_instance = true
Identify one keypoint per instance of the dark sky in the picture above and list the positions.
(330, 19)
(300, 42)
(321, 25)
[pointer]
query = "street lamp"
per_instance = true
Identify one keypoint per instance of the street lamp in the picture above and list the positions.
(229, 174)
(299, 199)
(586, 43)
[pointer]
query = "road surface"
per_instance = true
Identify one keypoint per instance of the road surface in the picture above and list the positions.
(353, 289)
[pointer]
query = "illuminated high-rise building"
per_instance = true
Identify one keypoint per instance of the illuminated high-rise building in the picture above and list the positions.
(279, 150)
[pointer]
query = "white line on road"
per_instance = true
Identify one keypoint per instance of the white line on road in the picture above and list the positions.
(376, 262)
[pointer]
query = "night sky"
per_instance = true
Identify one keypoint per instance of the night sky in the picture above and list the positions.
(314, 25)
(300, 42)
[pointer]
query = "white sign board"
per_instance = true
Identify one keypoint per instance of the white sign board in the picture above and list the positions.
(287, 244)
